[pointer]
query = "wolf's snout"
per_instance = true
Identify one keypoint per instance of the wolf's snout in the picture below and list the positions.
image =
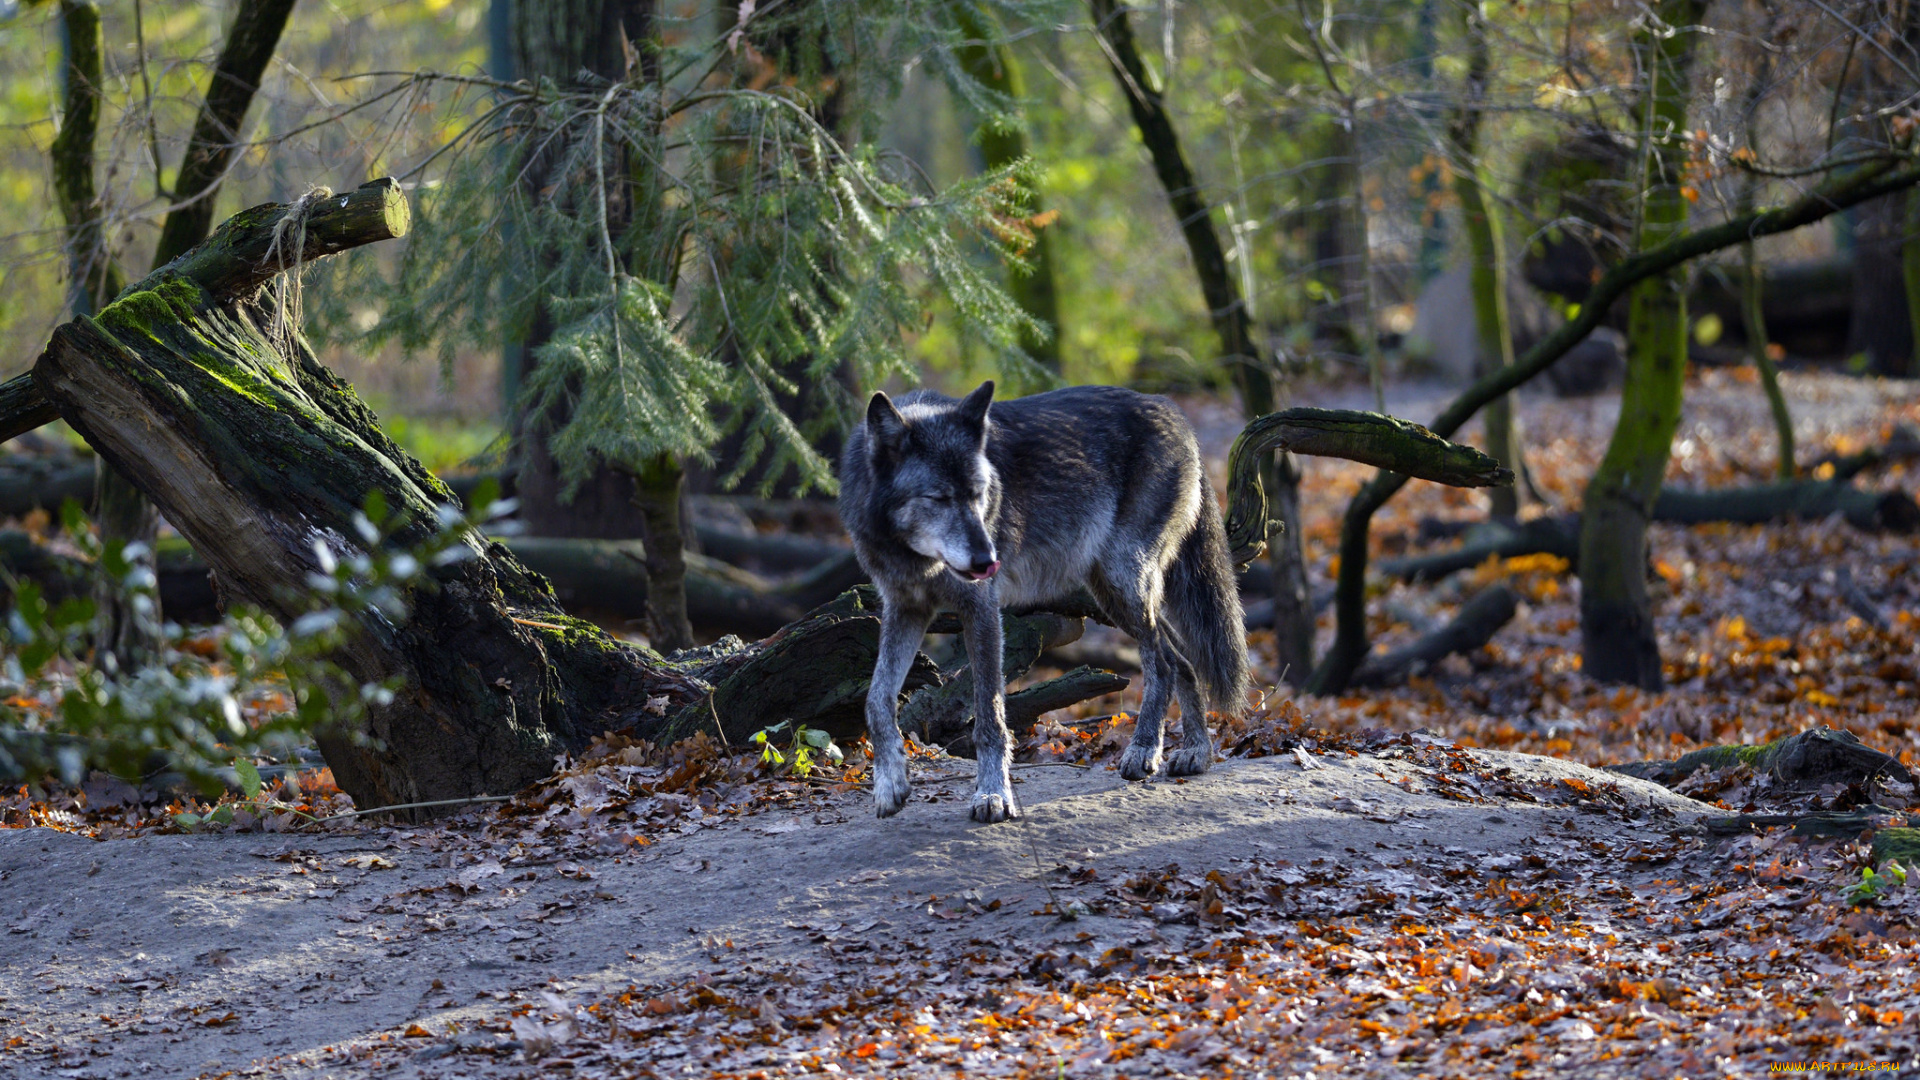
(982, 569)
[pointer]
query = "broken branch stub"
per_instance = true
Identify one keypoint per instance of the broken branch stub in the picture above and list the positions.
(1367, 437)
(236, 261)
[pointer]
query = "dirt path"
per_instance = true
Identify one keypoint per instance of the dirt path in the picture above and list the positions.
(195, 955)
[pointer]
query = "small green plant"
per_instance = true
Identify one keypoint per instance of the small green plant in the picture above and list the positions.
(254, 799)
(183, 712)
(806, 742)
(1873, 886)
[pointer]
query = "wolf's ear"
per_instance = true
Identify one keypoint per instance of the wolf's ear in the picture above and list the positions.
(886, 428)
(973, 407)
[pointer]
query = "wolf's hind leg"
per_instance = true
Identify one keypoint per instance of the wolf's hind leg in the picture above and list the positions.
(1142, 756)
(901, 631)
(1195, 755)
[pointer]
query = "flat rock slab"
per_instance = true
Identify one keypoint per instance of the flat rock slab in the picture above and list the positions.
(192, 955)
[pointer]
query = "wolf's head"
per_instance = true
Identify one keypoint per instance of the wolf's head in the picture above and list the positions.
(938, 486)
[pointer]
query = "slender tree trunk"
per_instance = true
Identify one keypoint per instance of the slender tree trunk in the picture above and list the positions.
(1486, 246)
(657, 493)
(614, 40)
(95, 275)
(1879, 328)
(1293, 613)
(1616, 616)
(1753, 314)
(1910, 272)
(990, 62)
(129, 624)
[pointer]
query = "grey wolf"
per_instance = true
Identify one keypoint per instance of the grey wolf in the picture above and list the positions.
(973, 505)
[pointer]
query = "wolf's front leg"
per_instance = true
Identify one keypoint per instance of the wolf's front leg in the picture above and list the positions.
(993, 749)
(901, 630)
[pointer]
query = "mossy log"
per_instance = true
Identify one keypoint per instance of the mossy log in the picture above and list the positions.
(236, 262)
(1902, 844)
(1868, 511)
(945, 715)
(813, 672)
(257, 453)
(1804, 761)
(1367, 437)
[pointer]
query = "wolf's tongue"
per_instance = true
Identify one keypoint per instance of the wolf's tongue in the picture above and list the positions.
(992, 569)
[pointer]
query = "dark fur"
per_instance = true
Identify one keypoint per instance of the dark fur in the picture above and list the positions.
(1098, 486)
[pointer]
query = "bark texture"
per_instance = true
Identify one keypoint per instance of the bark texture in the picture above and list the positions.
(989, 60)
(1486, 248)
(257, 453)
(570, 43)
(1617, 642)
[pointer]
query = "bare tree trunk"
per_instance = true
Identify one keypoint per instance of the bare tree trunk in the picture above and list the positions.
(129, 625)
(1487, 246)
(1293, 612)
(990, 61)
(1880, 328)
(657, 493)
(1617, 642)
(613, 40)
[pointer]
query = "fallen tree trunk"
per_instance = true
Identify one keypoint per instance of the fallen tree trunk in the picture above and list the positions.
(186, 594)
(944, 716)
(256, 453)
(1806, 761)
(1868, 511)
(31, 483)
(609, 577)
(1472, 627)
(1547, 535)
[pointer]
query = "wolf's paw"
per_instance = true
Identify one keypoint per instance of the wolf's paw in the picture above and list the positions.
(1139, 762)
(1191, 762)
(989, 808)
(890, 791)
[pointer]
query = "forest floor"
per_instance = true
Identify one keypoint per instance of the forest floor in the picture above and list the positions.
(1366, 884)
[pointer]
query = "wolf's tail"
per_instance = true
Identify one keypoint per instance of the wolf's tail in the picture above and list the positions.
(1203, 608)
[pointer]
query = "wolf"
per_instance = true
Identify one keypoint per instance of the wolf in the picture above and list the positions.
(973, 505)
